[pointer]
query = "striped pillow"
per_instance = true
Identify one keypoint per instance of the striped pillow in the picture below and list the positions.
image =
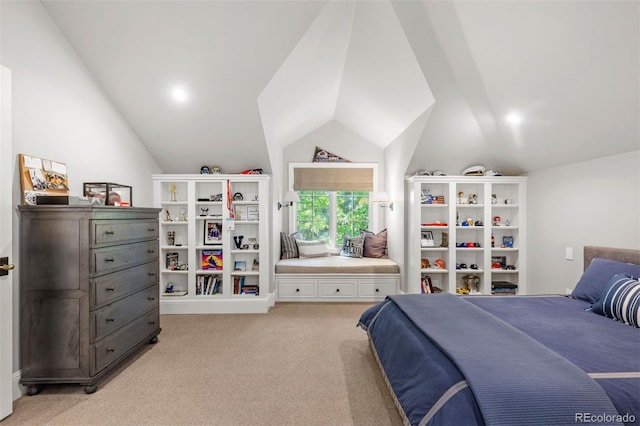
(288, 246)
(620, 300)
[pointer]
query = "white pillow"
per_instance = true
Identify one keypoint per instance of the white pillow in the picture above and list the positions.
(316, 248)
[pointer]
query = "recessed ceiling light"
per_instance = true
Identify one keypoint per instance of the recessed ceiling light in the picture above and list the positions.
(514, 118)
(179, 94)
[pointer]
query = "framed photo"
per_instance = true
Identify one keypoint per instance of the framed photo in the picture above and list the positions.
(241, 212)
(211, 259)
(240, 265)
(212, 232)
(172, 261)
(427, 239)
(253, 213)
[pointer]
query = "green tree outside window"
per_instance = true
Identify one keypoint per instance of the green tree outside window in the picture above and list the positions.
(315, 214)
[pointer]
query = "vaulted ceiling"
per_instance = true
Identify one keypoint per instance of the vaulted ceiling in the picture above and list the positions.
(261, 74)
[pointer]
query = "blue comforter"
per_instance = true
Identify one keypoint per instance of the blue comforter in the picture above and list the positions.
(449, 362)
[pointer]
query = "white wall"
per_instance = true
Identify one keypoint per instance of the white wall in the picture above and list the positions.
(397, 158)
(60, 113)
(589, 203)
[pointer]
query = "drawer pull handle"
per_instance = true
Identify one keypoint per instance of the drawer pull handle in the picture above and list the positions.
(151, 229)
(110, 319)
(151, 251)
(110, 349)
(152, 323)
(110, 289)
(109, 232)
(151, 298)
(151, 274)
(109, 259)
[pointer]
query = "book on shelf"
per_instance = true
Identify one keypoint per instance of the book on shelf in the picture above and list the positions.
(250, 289)
(239, 286)
(212, 259)
(208, 284)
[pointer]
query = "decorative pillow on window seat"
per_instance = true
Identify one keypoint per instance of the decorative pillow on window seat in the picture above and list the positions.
(375, 245)
(315, 248)
(353, 246)
(289, 246)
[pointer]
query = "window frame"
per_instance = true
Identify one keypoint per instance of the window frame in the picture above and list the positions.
(374, 213)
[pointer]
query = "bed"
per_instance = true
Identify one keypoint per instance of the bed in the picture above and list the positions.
(512, 360)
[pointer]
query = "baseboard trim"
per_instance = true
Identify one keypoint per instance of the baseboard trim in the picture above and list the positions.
(17, 389)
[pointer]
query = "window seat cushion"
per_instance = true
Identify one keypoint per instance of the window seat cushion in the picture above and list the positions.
(337, 265)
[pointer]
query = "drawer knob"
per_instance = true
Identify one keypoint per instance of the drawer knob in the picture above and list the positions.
(377, 290)
(110, 349)
(110, 289)
(109, 232)
(109, 259)
(110, 319)
(337, 290)
(297, 290)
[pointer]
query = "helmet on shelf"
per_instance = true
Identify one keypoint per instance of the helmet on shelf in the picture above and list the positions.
(439, 263)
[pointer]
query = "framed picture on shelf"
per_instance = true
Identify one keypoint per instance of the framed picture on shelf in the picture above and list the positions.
(241, 212)
(211, 259)
(172, 261)
(212, 232)
(426, 239)
(240, 265)
(253, 213)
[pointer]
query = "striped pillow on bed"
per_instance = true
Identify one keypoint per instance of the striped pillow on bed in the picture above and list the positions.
(620, 300)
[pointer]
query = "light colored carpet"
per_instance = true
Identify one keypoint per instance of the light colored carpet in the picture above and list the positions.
(300, 364)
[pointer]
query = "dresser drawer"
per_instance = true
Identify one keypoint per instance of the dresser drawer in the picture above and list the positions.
(297, 289)
(105, 232)
(376, 289)
(110, 318)
(112, 347)
(107, 288)
(119, 257)
(338, 289)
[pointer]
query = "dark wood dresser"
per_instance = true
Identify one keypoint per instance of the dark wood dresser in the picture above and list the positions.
(89, 293)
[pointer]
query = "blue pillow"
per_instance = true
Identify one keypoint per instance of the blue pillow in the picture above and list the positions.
(597, 276)
(620, 300)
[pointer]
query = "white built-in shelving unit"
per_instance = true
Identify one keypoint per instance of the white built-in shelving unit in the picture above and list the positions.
(479, 233)
(218, 227)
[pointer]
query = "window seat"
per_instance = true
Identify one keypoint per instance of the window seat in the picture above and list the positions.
(336, 278)
(337, 265)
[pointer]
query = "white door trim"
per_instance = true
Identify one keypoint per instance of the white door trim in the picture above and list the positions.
(6, 217)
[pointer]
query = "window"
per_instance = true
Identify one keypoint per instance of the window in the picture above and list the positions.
(334, 200)
(330, 215)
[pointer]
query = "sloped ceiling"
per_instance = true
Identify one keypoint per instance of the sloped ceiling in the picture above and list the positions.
(570, 68)
(355, 66)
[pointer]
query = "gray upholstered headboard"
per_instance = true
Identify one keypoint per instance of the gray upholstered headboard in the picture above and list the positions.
(619, 254)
